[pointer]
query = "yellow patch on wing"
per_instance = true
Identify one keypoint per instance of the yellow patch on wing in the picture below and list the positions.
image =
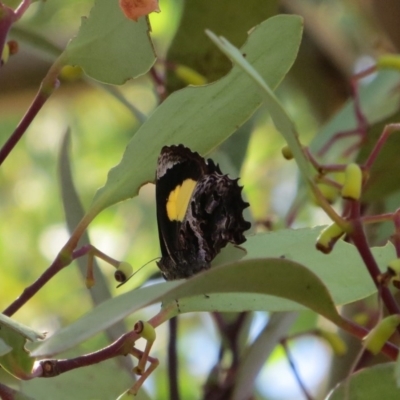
(178, 200)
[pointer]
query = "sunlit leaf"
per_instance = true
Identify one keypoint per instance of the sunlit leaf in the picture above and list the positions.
(111, 48)
(377, 382)
(102, 381)
(17, 361)
(260, 277)
(103, 316)
(281, 119)
(342, 271)
(4, 348)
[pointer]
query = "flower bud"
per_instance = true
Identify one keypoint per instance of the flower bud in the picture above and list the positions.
(328, 237)
(394, 267)
(388, 61)
(71, 73)
(381, 333)
(145, 330)
(123, 271)
(351, 189)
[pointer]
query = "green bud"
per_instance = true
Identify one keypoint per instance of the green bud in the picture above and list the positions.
(351, 189)
(381, 333)
(328, 237)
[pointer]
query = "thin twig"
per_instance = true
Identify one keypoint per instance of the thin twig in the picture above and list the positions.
(49, 84)
(294, 370)
(31, 290)
(360, 241)
(173, 360)
(121, 347)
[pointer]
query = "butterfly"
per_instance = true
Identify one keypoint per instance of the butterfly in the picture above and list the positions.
(199, 211)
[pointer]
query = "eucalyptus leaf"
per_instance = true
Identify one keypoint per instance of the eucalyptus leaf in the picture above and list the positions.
(203, 117)
(15, 359)
(229, 18)
(278, 114)
(110, 47)
(275, 277)
(377, 382)
(102, 381)
(342, 271)
(271, 277)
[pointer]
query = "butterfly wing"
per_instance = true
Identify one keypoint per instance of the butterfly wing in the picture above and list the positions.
(199, 210)
(178, 172)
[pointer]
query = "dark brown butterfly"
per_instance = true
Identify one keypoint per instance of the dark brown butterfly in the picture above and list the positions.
(199, 211)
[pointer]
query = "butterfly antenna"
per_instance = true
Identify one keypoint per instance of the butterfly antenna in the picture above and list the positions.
(120, 276)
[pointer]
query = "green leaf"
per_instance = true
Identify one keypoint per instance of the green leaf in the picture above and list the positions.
(229, 254)
(203, 117)
(229, 18)
(277, 277)
(342, 271)
(278, 114)
(379, 101)
(101, 317)
(4, 348)
(111, 48)
(102, 381)
(74, 212)
(236, 286)
(377, 382)
(261, 277)
(15, 359)
(20, 329)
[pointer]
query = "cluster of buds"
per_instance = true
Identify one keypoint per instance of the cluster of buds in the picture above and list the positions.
(350, 191)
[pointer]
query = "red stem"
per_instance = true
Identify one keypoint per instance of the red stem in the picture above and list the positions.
(295, 371)
(7, 18)
(121, 347)
(7, 393)
(389, 129)
(360, 241)
(31, 290)
(34, 108)
(396, 235)
(19, 12)
(389, 349)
